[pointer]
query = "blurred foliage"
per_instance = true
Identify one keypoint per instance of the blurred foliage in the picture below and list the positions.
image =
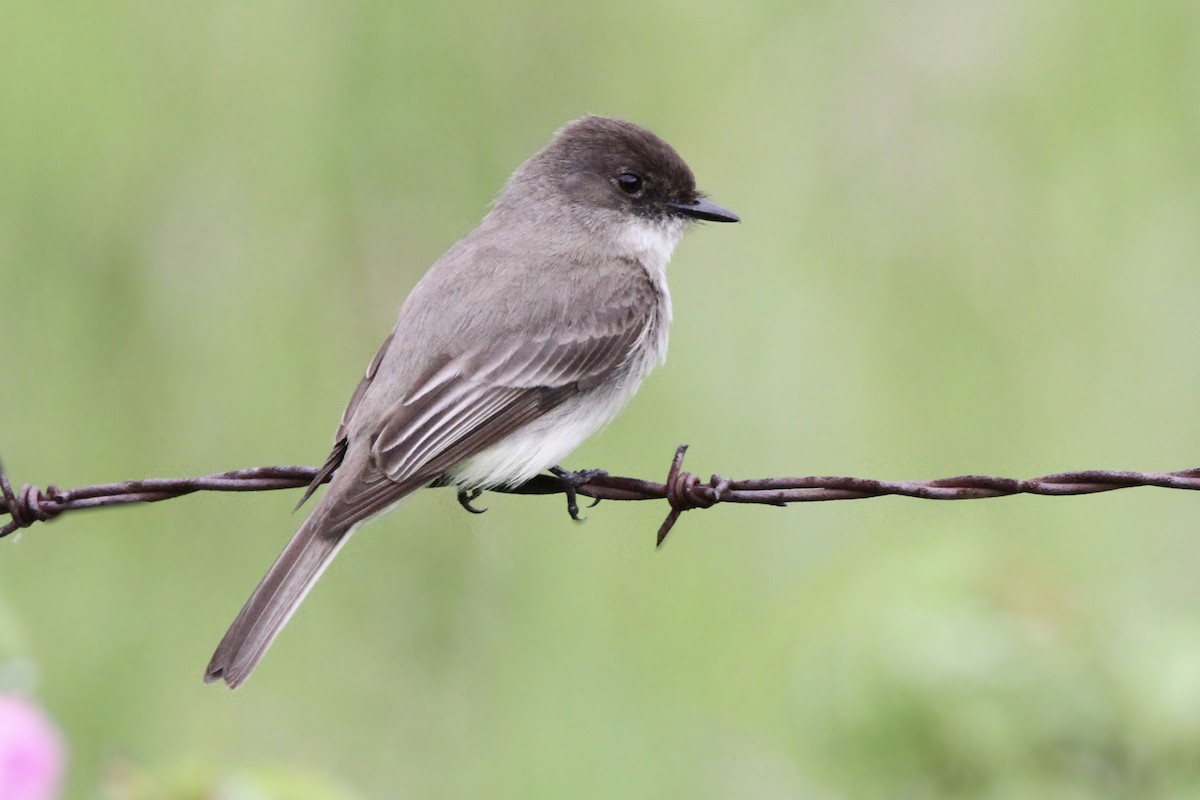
(970, 245)
(194, 781)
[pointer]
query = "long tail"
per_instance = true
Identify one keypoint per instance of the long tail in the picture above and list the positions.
(276, 598)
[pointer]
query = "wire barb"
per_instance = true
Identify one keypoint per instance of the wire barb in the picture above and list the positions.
(27, 506)
(683, 490)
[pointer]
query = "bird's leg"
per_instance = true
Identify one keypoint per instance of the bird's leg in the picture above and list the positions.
(465, 498)
(572, 481)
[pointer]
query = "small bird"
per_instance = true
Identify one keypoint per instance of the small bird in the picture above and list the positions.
(524, 339)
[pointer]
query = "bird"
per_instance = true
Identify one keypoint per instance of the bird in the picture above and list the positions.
(525, 338)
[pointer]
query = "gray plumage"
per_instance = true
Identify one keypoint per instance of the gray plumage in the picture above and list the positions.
(525, 338)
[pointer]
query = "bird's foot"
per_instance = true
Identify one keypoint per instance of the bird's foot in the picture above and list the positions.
(465, 498)
(571, 481)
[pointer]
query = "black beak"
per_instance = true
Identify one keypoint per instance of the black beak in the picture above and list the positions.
(702, 209)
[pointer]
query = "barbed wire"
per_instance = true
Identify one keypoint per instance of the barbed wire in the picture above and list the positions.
(682, 490)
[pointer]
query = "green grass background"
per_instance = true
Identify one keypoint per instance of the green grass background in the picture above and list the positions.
(971, 243)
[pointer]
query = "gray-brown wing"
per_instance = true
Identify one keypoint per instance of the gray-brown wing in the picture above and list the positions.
(469, 402)
(361, 389)
(339, 439)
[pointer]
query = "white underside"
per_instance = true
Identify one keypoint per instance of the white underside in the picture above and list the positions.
(548, 440)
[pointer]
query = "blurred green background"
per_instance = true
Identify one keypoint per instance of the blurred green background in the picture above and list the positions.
(971, 244)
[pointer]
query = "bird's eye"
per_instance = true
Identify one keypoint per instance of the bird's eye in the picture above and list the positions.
(629, 183)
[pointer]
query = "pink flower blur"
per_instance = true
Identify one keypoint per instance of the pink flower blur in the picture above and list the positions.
(31, 752)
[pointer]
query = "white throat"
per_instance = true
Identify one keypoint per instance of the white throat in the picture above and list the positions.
(650, 243)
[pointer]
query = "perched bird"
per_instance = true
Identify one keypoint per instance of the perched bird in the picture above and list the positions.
(523, 340)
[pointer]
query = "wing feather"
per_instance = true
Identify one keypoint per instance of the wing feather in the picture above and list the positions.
(427, 441)
(490, 393)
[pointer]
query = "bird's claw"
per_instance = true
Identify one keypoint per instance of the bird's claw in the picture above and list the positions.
(465, 498)
(571, 481)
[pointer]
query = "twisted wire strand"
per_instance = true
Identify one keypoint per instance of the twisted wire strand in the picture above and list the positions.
(682, 490)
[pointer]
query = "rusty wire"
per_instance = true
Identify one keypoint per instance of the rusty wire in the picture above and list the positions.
(682, 490)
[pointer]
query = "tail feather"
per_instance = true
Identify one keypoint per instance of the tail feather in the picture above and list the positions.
(355, 494)
(276, 598)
